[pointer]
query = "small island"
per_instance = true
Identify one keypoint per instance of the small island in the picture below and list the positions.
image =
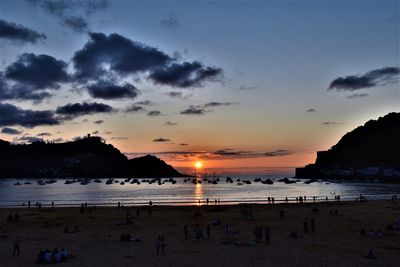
(87, 157)
(369, 152)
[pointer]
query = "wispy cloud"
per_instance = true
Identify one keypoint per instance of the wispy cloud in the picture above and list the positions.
(373, 78)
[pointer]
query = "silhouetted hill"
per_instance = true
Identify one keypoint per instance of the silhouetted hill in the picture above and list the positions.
(369, 151)
(87, 157)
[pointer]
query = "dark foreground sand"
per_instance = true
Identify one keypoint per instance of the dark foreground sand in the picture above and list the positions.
(336, 242)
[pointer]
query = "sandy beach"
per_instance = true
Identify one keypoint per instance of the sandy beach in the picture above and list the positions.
(336, 241)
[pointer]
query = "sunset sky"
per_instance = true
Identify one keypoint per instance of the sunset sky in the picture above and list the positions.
(244, 85)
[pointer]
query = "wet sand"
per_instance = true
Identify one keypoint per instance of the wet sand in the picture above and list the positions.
(336, 241)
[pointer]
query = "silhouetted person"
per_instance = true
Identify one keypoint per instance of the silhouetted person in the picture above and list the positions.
(29, 204)
(52, 204)
(16, 217)
(305, 226)
(162, 244)
(158, 245)
(370, 254)
(185, 231)
(286, 200)
(150, 203)
(119, 204)
(207, 201)
(16, 247)
(267, 235)
(312, 225)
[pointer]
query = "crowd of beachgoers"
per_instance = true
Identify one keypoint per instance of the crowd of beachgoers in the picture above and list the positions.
(242, 227)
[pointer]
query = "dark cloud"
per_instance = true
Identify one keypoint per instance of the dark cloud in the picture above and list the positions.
(133, 108)
(331, 123)
(11, 131)
(186, 74)
(145, 103)
(71, 111)
(193, 110)
(170, 123)
(119, 138)
(19, 33)
(175, 94)
(38, 71)
(71, 13)
(76, 23)
(218, 104)
(11, 115)
(311, 110)
(44, 134)
(108, 90)
(278, 153)
(161, 139)
(122, 55)
(29, 139)
(353, 96)
(20, 91)
(378, 77)
(171, 22)
(231, 152)
(154, 113)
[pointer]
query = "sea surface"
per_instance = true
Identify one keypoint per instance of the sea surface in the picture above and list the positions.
(184, 193)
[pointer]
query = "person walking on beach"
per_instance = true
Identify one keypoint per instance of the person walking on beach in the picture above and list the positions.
(158, 245)
(267, 234)
(305, 226)
(312, 225)
(162, 244)
(16, 246)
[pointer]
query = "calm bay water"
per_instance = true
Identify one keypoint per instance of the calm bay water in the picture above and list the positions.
(182, 193)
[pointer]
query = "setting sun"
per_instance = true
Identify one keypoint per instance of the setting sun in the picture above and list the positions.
(198, 164)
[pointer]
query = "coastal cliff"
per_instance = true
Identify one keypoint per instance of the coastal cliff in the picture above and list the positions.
(87, 157)
(370, 151)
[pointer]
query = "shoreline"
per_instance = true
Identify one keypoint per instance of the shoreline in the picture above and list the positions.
(203, 202)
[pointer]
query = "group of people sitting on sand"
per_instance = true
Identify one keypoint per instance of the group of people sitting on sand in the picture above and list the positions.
(371, 233)
(13, 217)
(128, 238)
(393, 226)
(68, 231)
(55, 256)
